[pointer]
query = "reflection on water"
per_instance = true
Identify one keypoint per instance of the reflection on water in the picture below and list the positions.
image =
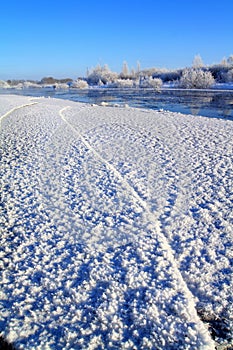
(215, 103)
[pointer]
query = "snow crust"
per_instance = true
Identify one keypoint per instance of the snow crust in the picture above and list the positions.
(116, 227)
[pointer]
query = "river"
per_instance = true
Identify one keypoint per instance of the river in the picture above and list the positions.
(209, 103)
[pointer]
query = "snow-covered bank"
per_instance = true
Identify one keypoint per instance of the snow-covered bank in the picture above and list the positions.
(117, 227)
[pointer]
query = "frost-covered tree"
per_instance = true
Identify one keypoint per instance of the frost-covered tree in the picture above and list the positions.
(229, 76)
(125, 69)
(223, 62)
(230, 60)
(125, 73)
(101, 75)
(219, 72)
(193, 78)
(197, 62)
(133, 73)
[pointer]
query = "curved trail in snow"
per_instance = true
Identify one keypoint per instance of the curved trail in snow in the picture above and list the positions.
(156, 226)
(109, 166)
(15, 109)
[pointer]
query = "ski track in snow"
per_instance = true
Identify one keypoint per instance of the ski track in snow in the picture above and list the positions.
(155, 225)
(106, 219)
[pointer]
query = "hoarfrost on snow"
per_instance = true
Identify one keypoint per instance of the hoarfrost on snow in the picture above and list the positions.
(117, 227)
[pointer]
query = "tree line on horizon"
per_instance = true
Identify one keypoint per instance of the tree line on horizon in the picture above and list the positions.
(196, 76)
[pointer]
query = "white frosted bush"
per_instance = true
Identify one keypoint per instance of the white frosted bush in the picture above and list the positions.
(4, 84)
(61, 86)
(18, 86)
(155, 83)
(80, 84)
(28, 84)
(193, 78)
(101, 75)
(122, 83)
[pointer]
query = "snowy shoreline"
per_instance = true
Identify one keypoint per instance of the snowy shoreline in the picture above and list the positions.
(210, 103)
(117, 227)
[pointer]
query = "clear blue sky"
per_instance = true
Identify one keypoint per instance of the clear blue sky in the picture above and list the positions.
(61, 38)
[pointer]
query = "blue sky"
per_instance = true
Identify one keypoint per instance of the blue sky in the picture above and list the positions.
(61, 38)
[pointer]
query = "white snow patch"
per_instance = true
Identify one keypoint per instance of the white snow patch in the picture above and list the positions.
(117, 227)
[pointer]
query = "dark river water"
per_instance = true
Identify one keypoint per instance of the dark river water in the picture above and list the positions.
(209, 103)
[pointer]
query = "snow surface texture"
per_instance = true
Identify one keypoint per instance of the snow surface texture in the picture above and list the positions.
(116, 227)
